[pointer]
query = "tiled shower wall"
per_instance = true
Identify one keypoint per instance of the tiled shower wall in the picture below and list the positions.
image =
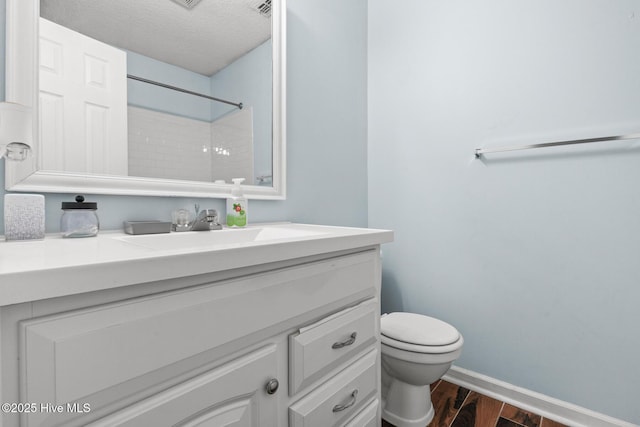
(168, 146)
(232, 146)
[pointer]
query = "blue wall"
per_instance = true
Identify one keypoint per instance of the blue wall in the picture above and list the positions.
(327, 158)
(248, 80)
(157, 98)
(532, 255)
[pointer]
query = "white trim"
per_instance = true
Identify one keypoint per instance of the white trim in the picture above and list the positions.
(66, 182)
(22, 87)
(548, 407)
(279, 98)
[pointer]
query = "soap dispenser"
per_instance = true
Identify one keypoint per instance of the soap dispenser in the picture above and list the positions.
(237, 206)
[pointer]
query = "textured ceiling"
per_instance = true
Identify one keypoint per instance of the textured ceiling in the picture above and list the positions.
(204, 39)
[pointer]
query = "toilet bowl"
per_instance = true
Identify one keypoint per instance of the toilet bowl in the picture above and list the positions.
(417, 350)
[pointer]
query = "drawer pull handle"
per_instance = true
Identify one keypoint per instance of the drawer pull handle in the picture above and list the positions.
(349, 404)
(272, 386)
(351, 340)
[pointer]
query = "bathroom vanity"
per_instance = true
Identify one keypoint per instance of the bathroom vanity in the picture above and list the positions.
(274, 325)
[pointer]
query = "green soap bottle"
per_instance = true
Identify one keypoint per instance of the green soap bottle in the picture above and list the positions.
(237, 206)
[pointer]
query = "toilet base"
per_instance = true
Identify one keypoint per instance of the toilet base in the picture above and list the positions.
(407, 405)
(403, 422)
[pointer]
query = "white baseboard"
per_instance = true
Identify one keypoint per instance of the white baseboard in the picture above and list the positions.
(549, 407)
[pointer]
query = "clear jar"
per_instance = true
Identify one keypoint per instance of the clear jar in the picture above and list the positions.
(79, 218)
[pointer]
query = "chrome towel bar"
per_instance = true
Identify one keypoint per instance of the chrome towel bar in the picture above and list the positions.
(481, 151)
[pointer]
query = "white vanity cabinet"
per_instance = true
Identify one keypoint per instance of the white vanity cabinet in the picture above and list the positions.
(287, 343)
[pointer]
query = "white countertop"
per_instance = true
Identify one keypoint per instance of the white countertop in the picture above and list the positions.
(54, 267)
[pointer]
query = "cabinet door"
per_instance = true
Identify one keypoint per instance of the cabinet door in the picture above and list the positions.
(233, 394)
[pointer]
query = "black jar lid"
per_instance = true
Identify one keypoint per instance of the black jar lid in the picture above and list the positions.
(80, 204)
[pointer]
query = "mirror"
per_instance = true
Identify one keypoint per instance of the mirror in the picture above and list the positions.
(167, 112)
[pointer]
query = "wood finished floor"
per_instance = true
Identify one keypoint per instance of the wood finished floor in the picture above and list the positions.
(457, 406)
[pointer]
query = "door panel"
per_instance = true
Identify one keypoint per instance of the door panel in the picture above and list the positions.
(231, 395)
(86, 129)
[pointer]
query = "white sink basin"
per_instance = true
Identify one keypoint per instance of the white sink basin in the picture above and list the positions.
(192, 240)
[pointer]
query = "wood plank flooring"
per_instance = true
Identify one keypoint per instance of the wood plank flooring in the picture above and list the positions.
(457, 406)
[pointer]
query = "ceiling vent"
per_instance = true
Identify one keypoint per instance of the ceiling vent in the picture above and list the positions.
(189, 4)
(263, 7)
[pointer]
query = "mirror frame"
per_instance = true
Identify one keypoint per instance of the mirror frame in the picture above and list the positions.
(21, 86)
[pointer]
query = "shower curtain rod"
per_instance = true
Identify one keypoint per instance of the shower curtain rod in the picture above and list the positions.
(166, 86)
(481, 151)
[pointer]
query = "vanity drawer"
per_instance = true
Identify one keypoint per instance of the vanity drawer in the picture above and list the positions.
(368, 417)
(340, 398)
(317, 349)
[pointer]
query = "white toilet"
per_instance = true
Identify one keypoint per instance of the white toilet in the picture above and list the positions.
(417, 350)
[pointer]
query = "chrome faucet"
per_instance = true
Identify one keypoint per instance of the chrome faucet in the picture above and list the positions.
(206, 219)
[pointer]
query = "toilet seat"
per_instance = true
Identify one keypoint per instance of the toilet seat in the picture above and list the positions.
(418, 333)
(425, 349)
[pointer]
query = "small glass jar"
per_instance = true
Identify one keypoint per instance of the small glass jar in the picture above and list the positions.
(79, 218)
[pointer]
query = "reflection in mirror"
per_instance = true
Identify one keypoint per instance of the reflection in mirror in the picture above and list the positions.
(208, 119)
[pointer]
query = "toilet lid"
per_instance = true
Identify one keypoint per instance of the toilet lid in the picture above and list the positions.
(418, 329)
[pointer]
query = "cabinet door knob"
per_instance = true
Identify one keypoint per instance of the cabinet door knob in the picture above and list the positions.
(349, 341)
(272, 386)
(349, 404)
